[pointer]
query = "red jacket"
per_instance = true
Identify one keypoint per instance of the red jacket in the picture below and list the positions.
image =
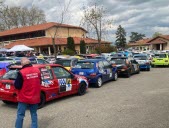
(30, 92)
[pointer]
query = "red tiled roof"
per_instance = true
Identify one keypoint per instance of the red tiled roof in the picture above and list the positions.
(159, 39)
(140, 42)
(44, 41)
(33, 28)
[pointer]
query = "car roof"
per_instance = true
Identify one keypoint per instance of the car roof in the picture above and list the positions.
(68, 58)
(90, 60)
(119, 57)
(35, 65)
(140, 55)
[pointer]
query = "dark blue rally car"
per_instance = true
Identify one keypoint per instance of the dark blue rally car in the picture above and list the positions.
(97, 71)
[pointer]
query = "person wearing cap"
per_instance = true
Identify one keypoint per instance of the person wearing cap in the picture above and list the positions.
(28, 83)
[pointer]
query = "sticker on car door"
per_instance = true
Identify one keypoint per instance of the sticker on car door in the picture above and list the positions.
(65, 84)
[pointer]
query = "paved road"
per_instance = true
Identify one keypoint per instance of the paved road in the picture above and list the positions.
(141, 101)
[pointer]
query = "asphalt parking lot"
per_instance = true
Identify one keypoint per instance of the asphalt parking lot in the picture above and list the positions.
(141, 101)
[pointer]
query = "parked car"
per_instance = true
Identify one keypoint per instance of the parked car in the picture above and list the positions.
(91, 56)
(68, 63)
(50, 59)
(56, 82)
(97, 71)
(33, 60)
(160, 59)
(125, 66)
(144, 62)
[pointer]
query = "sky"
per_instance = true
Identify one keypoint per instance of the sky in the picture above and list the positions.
(142, 16)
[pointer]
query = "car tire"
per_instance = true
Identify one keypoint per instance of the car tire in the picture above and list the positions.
(138, 71)
(7, 102)
(115, 76)
(42, 100)
(148, 69)
(152, 66)
(82, 89)
(99, 82)
(128, 74)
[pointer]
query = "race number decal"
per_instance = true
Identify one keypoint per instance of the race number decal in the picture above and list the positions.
(65, 85)
(68, 85)
(135, 67)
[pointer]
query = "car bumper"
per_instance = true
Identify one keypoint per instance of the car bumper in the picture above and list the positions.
(92, 80)
(165, 63)
(122, 72)
(144, 66)
(8, 96)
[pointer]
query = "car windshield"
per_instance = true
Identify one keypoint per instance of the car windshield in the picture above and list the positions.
(11, 74)
(4, 58)
(64, 63)
(85, 65)
(140, 57)
(118, 61)
(160, 56)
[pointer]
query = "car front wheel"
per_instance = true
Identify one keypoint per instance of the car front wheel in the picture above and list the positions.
(99, 82)
(82, 89)
(115, 76)
(128, 74)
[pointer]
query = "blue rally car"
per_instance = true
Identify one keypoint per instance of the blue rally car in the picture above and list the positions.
(144, 62)
(97, 71)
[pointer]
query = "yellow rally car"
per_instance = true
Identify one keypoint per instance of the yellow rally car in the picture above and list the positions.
(160, 59)
(68, 63)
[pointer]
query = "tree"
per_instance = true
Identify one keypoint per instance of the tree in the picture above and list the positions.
(82, 47)
(17, 16)
(94, 17)
(120, 38)
(156, 34)
(70, 43)
(106, 49)
(135, 36)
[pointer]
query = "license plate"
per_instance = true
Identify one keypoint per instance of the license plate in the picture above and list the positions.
(81, 73)
(122, 69)
(8, 86)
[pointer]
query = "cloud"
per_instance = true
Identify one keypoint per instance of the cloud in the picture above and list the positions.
(143, 16)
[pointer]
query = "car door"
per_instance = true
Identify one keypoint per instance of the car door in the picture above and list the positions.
(102, 70)
(135, 66)
(107, 69)
(66, 84)
(48, 82)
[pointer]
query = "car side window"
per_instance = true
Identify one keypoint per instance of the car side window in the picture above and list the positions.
(46, 73)
(61, 72)
(106, 64)
(134, 62)
(74, 62)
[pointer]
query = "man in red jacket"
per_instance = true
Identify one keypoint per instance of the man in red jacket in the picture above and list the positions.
(28, 83)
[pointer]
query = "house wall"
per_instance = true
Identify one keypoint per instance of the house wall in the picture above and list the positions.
(65, 32)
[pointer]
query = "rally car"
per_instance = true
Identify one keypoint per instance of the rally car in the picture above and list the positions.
(144, 62)
(161, 59)
(125, 66)
(56, 82)
(68, 63)
(97, 71)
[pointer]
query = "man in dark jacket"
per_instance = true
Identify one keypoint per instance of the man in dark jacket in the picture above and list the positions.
(28, 83)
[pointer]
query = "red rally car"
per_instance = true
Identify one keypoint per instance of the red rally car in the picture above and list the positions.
(56, 82)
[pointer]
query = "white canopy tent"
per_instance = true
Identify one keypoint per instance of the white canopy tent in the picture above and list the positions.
(20, 48)
(3, 49)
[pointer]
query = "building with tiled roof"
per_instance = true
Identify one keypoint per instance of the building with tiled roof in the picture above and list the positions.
(40, 37)
(157, 43)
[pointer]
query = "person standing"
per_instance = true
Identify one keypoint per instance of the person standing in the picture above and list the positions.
(28, 83)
